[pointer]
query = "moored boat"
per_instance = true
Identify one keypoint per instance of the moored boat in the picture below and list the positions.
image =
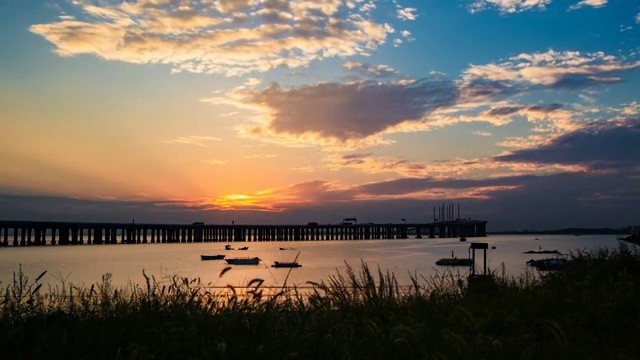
(244, 248)
(211, 257)
(281, 264)
(454, 262)
(228, 247)
(463, 239)
(542, 252)
(243, 261)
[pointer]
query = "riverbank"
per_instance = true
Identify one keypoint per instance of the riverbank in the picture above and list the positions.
(589, 309)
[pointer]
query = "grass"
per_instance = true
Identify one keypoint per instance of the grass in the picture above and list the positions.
(589, 310)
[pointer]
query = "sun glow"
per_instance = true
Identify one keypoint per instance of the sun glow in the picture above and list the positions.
(243, 202)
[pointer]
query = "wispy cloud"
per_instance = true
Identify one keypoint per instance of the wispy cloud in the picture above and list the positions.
(591, 3)
(508, 6)
(456, 168)
(407, 13)
(216, 162)
(371, 70)
(202, 141)
(260, 156)
(231, 37)
(567, 69)
(482, 133)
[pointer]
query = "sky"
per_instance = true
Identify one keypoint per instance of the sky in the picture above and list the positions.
(525, 112)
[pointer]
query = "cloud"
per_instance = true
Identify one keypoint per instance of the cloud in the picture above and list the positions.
(508, 6)
(197, 140)
(638, 18)
(546, 122)
(614, 144)
(346, 115)
(631, 109)
(231, 37)
(591, 3)
(407, 13)
(216, 162)
(370, 70)
(555, 70)
(456, 168)
(260, 156)
(482, 133)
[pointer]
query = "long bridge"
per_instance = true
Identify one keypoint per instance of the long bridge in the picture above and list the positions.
(28, 233)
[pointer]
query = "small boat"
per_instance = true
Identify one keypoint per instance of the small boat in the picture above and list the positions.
(463, 239)
(281, 264)
(287, 248)
(454, 262)
(493, 247)
(287, 264)
(547, 264)
(542, 252)
(228, 247)
(243, 261)
(211, 257)
(244, 248)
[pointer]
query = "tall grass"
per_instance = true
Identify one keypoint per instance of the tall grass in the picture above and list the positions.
(588, 310)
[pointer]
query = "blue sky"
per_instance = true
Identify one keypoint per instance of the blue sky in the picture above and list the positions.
(260, 111)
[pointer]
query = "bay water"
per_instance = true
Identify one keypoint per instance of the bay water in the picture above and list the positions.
(86, 264)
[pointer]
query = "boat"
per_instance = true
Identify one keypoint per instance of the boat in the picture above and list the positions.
(287, 248)
(244, 248)
(493, 247)
(547, 264)
(211, 257)
(463, 239)
(454, 262)
(243, 261)
(541, 252)
(287, 264)
(228, 247)
(281, 264)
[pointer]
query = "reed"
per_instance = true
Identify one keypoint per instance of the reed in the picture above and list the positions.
(589, 310)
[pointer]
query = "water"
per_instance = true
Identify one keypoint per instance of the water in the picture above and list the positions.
(85, 264)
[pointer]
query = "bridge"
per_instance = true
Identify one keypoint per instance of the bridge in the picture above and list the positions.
(34, 233)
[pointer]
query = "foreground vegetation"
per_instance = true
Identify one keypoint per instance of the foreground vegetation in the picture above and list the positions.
(589, 310)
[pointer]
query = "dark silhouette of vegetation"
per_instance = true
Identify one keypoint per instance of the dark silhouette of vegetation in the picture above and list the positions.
(589, 310)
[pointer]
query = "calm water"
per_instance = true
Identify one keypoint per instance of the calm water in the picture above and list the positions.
(86, 264)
